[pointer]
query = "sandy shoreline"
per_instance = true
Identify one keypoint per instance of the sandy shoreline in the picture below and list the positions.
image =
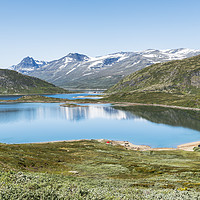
(130, 146)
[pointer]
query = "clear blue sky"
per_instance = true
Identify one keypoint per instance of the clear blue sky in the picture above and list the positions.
(50, 29)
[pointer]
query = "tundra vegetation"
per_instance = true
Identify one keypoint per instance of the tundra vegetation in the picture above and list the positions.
(12, 82)
(170, 83)
(89, 169)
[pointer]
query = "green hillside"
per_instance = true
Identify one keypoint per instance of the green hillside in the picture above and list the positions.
(12, 82)
(171, 83)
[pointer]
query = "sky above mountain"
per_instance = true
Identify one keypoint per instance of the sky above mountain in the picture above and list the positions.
(50, 29)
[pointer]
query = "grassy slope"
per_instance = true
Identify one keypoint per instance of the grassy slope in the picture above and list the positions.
(12, 82)
(42, 171)
(156, 98)
(171, 83)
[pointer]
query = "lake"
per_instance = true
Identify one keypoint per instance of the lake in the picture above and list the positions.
(40, 122)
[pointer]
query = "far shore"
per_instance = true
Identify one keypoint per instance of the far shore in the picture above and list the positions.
(93, 101)
(70, 91)
(157, 105)
(128, 145)
(4, 95)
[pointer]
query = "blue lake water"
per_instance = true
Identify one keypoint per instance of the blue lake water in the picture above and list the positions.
(10, 97)
(62, 96)
(39, 122)
(75, 96)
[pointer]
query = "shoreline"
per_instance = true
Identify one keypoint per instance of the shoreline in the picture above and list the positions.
(156, 105)
(126, 144)
(122, 104)
(4, 95)
(28, 98)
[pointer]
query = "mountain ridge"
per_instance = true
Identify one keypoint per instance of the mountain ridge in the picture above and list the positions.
(80, 71)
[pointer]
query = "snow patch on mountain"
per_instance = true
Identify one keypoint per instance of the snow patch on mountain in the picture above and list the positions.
(61, 67)
(70, 71)
(68, 59)
(95, 63)
(87, 74)
(108, 60)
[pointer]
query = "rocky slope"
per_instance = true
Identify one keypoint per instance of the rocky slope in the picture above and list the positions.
(174, 83)
(179, 76)
(80, 71)
(12, 82)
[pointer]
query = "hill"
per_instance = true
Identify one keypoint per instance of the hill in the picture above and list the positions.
(94, 170)
(80, 71)
(12, 82)
(174, 83)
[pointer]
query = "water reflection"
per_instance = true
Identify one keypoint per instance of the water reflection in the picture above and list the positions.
(173, 117)
(94, 111)
(36, 111)
(14, 112)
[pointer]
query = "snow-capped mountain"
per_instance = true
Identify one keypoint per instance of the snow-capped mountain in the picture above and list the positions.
(27, 65)
(80, 71)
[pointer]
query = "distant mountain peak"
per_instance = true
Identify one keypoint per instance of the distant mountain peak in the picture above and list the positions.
(28, 61)
(150, 50)
(28, 57)
(78, 57)
(28, 64)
